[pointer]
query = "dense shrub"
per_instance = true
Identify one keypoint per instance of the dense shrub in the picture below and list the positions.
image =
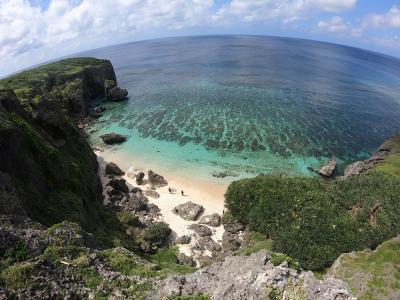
(157, 234)
(314, 220)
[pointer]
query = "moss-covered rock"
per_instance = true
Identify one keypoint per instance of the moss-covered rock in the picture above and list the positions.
(71, 82)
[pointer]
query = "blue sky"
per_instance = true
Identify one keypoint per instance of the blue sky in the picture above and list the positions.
(35, 31)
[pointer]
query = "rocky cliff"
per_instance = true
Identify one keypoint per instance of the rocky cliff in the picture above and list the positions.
(47, 169)
(72, 83)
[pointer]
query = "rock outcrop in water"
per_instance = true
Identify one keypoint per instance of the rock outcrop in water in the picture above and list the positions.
(389, 149)
(328, 168)
(113, 138)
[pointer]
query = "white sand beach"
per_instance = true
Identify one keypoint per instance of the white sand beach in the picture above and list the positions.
(209, 195)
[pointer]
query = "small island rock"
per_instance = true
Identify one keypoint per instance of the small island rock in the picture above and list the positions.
(117, 94)
(113, 138)
(328, 168)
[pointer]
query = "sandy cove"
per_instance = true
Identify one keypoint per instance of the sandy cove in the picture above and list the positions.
(210, 196)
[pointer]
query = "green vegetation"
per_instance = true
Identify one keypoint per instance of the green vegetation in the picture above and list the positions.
(127, 263)
(372, 274)
(157, 234)
(255, 241)
(193, 297)
(40, 80)
(166, 259)
(17, 276)
(391, 165)
(314, 220)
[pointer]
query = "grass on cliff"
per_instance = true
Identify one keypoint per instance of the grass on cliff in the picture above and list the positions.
(313, 220)
(38, 81)
(372, 274)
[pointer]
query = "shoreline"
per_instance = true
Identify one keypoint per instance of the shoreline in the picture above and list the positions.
(206, 194)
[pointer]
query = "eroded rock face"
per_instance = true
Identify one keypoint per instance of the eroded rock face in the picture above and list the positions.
(328, 168)
(113, 169)
(252, 277)
(156, 180)
(113, 138)
(189, 211)
(213, 220)
(117, 94)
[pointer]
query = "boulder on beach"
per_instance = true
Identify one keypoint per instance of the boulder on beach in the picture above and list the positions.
(328, 168)
(152, 194)
(213, 220)
(119, 184)
(189, 211)
(200, 230)
(184, 239)
(113, 169)
(113, 138)
(139, 178)
(156, 180)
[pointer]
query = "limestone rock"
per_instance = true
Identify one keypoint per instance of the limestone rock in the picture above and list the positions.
(360, 167)
(200, 230)
(251, 277)
(156, 180)
(113, 169)
(213, 220)
(183, 259)
(108, 85)
(328, 168)
(231, 225)
(117, 94)
(184, 239)
(189, 211)
(152, 194)
(139, 178)
(113, 138)
(119, 184)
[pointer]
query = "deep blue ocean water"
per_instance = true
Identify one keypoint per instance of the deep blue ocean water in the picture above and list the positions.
(250, 104)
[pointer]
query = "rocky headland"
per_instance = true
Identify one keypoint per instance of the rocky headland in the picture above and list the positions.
(73, 226)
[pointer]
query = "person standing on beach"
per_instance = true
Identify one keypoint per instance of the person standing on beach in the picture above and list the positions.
(182, 193)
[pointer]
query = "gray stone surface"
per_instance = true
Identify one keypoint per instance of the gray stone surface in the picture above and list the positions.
(252, 277)
(211, 220)
(328, 168)
(189, 211)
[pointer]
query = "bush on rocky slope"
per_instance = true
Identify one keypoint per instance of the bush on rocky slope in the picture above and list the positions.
(313, 220)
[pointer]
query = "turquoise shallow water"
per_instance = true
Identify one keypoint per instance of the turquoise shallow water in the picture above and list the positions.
(249, 105)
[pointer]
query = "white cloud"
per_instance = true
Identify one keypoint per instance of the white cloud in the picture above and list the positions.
(19, 27)
(287, 10)
(71, 25)
(332, 5)
(389, 19)
(335, 25)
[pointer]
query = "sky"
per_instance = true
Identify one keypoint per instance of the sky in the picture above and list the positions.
(36, 31)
